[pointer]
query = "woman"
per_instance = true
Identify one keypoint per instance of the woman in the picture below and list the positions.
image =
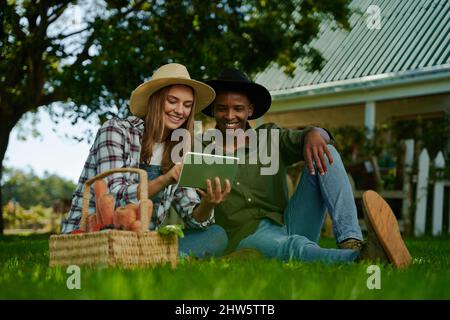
(159, 106)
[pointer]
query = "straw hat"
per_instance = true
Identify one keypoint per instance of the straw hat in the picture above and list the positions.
(166, 75)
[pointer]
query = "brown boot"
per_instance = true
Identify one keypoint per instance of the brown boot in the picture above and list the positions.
(368, 250)
(384, 241)
(351, 243)
(372, 249)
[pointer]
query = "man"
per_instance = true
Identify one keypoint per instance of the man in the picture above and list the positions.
(258, 214)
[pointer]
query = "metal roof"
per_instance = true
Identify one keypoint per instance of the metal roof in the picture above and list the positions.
(414, 37)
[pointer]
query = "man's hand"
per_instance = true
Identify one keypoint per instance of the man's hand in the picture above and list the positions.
(315, 149)
(211, 198)
(214, 196)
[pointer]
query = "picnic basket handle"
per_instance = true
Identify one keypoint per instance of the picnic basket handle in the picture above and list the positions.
(143, 195)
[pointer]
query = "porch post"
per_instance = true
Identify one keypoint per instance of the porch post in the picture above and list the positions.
(369, 118)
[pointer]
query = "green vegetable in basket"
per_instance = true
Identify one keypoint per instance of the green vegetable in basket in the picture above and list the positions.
(172, 228)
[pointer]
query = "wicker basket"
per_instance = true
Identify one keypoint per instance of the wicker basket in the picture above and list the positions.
(115, 247)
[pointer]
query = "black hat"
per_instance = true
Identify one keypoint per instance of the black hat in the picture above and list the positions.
(235, 80)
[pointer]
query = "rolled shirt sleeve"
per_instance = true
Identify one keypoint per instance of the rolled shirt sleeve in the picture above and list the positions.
(292, 142)
(324, 134)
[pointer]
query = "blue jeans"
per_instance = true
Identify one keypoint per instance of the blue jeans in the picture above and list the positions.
(304, 217)
(199, 243)
(210, 242)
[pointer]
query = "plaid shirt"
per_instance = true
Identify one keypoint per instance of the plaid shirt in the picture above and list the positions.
(118, 145)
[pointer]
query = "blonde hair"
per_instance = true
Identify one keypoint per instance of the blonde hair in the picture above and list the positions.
(154, 129)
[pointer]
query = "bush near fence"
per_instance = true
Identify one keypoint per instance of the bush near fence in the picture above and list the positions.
(37, 219)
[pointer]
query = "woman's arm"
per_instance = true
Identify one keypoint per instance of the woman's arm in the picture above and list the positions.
(158, 184)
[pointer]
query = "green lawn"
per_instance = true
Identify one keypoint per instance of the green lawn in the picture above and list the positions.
(24, 274)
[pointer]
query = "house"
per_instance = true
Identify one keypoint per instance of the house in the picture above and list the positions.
(392, 71)
(392, 68)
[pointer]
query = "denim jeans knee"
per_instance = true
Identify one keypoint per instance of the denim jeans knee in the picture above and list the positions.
(204, 243)
(334, 153)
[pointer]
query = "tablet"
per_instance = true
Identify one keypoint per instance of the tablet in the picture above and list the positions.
(197, 167)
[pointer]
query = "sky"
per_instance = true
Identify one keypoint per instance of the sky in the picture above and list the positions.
(52, 151)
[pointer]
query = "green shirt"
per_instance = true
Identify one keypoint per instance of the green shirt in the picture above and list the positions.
(255, 196)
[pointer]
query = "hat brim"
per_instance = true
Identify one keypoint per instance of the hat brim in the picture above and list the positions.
(204, 94)
(258, 95)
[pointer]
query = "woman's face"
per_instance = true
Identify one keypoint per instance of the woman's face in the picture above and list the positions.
(178, 106)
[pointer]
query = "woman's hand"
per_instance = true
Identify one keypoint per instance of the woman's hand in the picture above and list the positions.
(214, 196)
(172, 176)
(158, 184)
(315, 149)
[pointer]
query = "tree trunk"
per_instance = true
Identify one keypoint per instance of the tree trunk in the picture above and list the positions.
(1, 202)
(6, 127)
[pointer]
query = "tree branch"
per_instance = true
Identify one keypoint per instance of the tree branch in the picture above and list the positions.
(32, 15)
(43, 24)
(15, 22)
(135, 7)
(57, 12)
(64, 36)
(84, 54)
(48, 99)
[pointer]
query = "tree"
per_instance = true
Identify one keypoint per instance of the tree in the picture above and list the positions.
(28, 189)
(91, 67)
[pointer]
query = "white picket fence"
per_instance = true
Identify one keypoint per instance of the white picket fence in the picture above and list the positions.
(423, 186)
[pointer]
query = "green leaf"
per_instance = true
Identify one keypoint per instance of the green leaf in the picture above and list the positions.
(172, 228)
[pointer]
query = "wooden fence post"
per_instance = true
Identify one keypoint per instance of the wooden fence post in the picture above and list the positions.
(407, 169)
(438, 201)
(422, 193)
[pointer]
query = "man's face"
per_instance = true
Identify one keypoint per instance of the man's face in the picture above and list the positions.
(231, 110)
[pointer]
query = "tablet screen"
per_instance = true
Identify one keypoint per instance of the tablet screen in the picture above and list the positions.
(197, 167)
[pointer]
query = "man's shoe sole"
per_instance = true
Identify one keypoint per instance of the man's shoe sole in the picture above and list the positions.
(385, 226)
